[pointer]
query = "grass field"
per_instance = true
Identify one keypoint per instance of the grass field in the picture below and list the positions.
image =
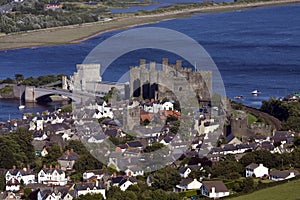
(286, 191)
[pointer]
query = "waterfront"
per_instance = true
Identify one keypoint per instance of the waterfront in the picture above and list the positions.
(253, 49)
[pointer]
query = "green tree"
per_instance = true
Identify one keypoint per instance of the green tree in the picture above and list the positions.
(19, 78)
(53, 154)
(166, 178)
(2, 182)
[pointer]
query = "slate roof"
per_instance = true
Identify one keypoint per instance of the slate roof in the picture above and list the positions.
(71, 156)
(252, 166)
(134, 144)
(50, 171)
(186, 181)
(111, 132)
(218, 185)
(284, 173)
(84, 186)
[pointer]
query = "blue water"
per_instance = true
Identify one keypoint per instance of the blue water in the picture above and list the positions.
(254, 49)
(157, 4)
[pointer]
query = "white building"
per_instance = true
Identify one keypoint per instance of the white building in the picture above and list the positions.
(25, 175)
(278, 175)
(89, 188)
(52, 176)
(214, 189)
(189, 184)
(13, 185)
(256, 170)
(54, 194)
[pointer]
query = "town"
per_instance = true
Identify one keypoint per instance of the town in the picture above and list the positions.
(144, 147)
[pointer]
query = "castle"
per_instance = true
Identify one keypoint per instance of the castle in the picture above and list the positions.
(155, 82)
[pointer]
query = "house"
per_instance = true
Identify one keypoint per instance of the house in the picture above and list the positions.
(9, 196)
(25, 175)
(68, 159)
(135, 144)
(256, 170)
(57, 193)
(52, 176)
(89, 188)
(97, 138)
(94, 174)
(187, 169)
(214, 189)
(123, 182)
(278, 175)
(134, 171)
(13, 185)
(189, 184)
(44, 152)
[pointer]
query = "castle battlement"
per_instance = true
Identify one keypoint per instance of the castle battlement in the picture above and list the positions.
(145, 79)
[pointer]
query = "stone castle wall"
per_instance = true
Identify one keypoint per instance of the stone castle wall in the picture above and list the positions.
(149, 82)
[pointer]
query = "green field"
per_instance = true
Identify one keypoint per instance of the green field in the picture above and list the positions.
(286, 191)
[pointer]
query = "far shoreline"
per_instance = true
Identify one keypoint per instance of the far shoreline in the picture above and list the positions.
(78, 33)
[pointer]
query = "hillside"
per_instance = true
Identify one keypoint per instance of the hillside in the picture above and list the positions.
(287, 191)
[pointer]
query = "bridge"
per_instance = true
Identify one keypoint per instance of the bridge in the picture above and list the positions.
(33, 94)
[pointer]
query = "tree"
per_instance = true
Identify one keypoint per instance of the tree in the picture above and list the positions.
(115, 193)
(19, 78)
(53, 154)
(2, 182)
(166, 178)
(87, 162)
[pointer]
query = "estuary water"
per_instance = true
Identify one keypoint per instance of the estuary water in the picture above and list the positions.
(256, 48)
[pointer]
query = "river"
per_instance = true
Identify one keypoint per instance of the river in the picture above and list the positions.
(254, 49)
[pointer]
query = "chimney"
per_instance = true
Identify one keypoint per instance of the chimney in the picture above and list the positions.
(57, 166)
(50, 167)
(213, 190)
(178, 64)
(97, 183)
(142, 63)
(261, 165)
(44, 166)
(28, 167)
(67, 152)
(72, 150)
(14, 167)
(115, 175)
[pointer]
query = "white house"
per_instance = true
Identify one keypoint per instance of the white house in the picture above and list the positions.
(256, 170)
(52, 176)
(54, 194)
(89, 188)
(134, 171)
(13, 185)
(189, 184)
(99, 174)
(25, 175)
(97, 138)
(214, 189)
(168, 106)
(123, 182)
(278, 175)
(187, 169)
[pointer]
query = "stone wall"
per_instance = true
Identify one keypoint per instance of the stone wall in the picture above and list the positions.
(150, 82)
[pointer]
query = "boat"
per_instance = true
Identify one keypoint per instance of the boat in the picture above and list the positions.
(21, 107)
(255, 92)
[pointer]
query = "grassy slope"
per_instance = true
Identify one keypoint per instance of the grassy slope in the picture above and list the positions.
(286, 191)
